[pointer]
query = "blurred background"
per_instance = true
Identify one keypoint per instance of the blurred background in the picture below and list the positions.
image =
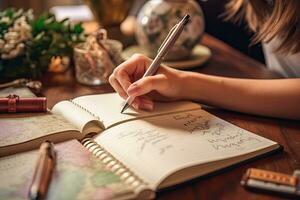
(236, 35)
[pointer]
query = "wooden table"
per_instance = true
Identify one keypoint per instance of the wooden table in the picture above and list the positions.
(228, 62)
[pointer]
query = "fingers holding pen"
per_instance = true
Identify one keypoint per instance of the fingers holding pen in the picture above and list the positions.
(147, 84)
(146, 103)
(143, 102)
(140, 88)
(128, 72)
(140, 102)
(122, 75)
(117, 87)
(122, 78)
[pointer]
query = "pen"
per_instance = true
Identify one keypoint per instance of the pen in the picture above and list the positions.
(162, 51)
(43, 171)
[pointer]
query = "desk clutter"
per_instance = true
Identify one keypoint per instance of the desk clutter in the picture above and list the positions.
(84, 148)
(28, 44)
(43, 171)
(273, 182)
(77, 175)
(15, 104)
(128, 146)
(96, 58)
(17, 97)
(35, 86)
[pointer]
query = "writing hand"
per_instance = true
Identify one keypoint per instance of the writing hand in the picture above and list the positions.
(165, 85)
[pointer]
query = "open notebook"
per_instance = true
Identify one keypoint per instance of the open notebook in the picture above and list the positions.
(176, 142)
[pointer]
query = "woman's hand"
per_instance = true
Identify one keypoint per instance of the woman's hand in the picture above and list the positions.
(165, 85)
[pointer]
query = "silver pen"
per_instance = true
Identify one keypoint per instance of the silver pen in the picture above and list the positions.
(162, 51)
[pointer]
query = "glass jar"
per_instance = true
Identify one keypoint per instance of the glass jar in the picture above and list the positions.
(93, 67)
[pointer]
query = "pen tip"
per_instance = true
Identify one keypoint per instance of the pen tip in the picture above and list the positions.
(186, 19)
(125, 107)
(34, 196)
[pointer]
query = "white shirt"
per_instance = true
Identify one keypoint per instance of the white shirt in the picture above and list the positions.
(287, 65)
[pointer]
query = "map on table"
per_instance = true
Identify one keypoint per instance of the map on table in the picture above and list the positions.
(78, 175)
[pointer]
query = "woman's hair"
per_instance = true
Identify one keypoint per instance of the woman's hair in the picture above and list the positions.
(269, 19)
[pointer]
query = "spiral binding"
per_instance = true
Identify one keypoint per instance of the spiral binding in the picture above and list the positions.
(114, 165)
(127, 176)
(86, 110)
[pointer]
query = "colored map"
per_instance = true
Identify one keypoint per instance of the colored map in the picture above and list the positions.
(20, 127)
(78, 175)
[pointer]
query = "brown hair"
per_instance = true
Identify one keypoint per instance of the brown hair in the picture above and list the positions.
(269, 19)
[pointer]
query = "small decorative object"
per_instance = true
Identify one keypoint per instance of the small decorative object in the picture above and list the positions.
(27, 45)
(96, 58)
(59, 64)
(14, 103)
(36, 86)
(157, 17)
(110, 13)
(128, 26)
(270, 182)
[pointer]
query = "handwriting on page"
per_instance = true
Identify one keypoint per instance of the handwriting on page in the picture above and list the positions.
(191, 122)
(150, 138)
(236, 140)
(219, 134)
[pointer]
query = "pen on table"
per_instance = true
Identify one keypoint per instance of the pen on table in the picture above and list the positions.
(162, 51)
(43, 171)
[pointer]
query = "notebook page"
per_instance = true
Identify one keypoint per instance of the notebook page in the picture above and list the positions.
(108, 107)
(75, 115)
(156, 147)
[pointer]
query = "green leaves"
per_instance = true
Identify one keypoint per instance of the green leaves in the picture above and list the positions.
(50, 37)
(78, 29)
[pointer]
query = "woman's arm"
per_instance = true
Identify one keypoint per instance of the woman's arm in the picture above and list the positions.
(274, 98)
